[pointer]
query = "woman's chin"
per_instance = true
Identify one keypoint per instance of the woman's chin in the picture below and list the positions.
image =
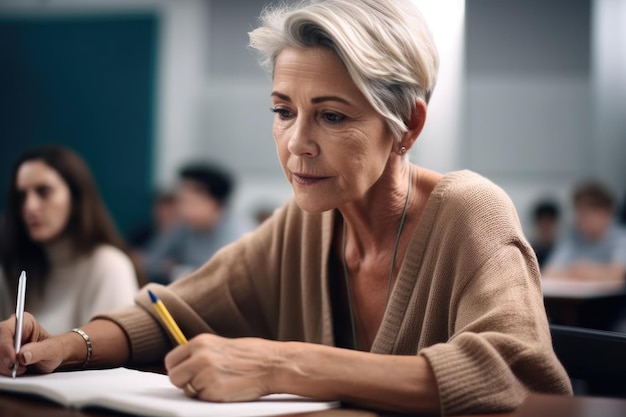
(42, 237)
(313, 205)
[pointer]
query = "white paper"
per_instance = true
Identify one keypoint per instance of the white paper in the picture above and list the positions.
(138, 392)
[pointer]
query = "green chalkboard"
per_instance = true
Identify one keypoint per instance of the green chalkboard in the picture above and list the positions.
(86, 82)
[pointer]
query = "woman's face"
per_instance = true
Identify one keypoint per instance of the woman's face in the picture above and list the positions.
(196, 207)
(592, 221)
(332, 144)
(46, 201)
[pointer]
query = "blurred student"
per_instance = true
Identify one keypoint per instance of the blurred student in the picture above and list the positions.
(206, 224)
(263, 211)
(58, 230)
(546, 215)
(596, 248)
(163, 217)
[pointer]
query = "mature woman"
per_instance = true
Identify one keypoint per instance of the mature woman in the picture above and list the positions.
(382, 283)
(58, 231)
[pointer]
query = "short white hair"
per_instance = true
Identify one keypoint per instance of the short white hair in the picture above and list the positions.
(385, 45)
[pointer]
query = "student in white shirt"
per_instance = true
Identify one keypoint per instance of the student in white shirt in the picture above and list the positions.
(58, 230)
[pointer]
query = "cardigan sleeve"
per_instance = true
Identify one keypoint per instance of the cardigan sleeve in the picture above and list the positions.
(499, 347)
(233, 294)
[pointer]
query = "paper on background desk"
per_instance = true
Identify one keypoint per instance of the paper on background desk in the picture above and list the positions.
(142, 393)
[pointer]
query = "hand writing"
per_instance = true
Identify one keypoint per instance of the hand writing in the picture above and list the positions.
(224, 370)
(38, 348)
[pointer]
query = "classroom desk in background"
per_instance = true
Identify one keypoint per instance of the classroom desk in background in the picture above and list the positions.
(590, 304)
(12, 405)
(582, 290)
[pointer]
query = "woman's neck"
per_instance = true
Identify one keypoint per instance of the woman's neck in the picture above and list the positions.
(60, 251)
(372, 223)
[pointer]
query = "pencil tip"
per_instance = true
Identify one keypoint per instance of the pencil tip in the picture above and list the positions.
(152, 296)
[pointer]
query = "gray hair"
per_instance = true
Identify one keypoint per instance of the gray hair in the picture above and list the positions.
(385, 45)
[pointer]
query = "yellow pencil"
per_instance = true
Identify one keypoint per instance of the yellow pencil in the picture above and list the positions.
(167, 319)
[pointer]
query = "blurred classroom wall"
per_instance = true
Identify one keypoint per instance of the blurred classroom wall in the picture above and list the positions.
(531, 93)
(545, 95)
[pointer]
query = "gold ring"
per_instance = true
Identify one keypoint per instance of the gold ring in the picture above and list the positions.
(191, 389)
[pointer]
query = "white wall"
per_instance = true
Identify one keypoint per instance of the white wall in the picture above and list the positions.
(528, 109)
(545, 106)
(183, 57)
(233, 122)
(609, 91)
(439, 145)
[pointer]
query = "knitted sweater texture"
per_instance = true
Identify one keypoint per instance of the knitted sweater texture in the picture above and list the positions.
(468, 297)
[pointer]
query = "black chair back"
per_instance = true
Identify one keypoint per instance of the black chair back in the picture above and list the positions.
(594, 356)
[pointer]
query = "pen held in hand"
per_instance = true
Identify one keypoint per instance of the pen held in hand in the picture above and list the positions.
(167, 319)
(19, 318)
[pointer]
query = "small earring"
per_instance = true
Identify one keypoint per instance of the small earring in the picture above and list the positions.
(403, 150)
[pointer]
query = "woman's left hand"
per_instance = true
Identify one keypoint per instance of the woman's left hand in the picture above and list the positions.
(214, 368)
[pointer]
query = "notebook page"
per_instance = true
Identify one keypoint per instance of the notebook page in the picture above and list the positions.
(73, 389)
(138, 392)
(173, 403)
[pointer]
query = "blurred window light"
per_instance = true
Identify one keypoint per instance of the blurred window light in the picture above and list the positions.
(445, 18)
(441, 139)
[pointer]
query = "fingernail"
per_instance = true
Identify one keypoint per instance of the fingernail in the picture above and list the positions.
(28, 356)
(7, 362)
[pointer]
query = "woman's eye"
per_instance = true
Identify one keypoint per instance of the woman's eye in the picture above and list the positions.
(333, 117)
(283, 114)
(43, 192)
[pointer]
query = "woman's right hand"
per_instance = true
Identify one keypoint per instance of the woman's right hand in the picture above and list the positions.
(40, 351)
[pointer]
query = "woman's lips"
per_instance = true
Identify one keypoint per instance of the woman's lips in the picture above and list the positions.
(33, 224)
(305, 179)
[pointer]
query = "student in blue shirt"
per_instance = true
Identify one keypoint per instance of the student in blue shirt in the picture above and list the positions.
(206, 224)
(596, 247)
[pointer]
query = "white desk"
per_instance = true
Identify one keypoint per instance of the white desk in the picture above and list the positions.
(592, 304)
(566, 288)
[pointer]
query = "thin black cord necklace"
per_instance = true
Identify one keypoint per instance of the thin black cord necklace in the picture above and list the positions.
(393, 259)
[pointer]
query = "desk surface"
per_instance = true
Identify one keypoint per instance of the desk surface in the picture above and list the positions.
(12, 405)
(565, 288)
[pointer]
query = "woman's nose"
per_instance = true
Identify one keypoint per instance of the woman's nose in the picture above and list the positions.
(302, 140)
(31, 203)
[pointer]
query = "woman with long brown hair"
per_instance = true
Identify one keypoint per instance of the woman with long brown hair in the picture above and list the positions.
(58, 230)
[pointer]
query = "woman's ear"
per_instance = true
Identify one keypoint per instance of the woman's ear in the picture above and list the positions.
(415, 125)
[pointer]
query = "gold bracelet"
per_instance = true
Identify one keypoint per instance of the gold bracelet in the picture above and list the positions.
(88, 343)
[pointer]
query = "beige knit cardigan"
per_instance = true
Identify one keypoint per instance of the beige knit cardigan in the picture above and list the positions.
(468, 297)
